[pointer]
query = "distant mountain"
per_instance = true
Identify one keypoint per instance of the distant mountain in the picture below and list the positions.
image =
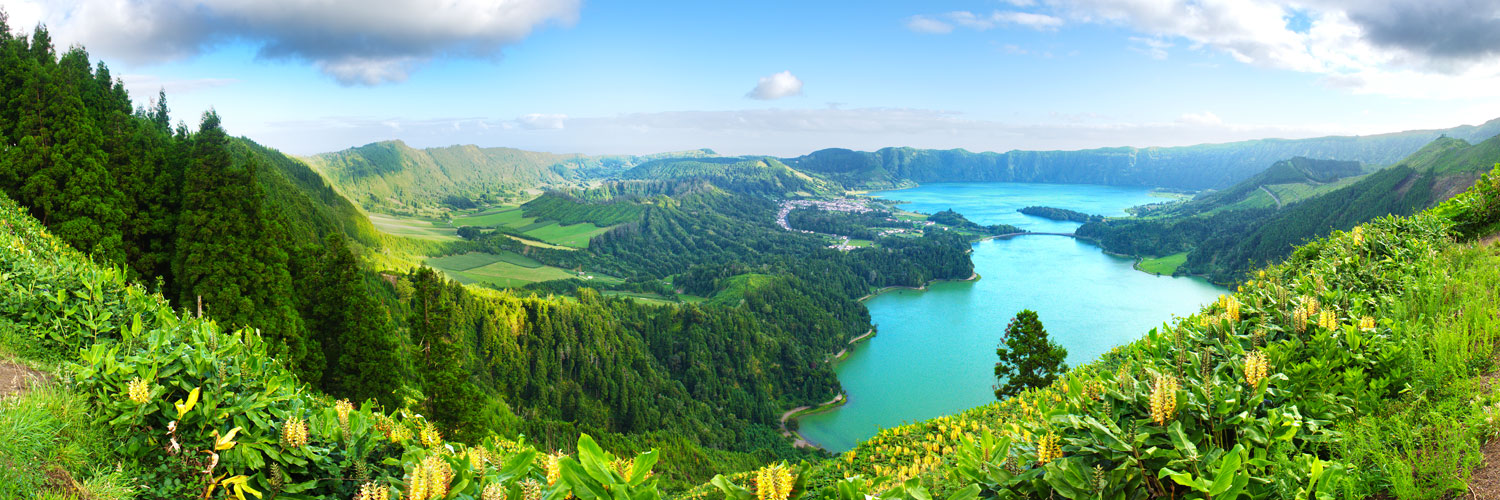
(392, 176)
(749, 175)
(1223, 241)
(1188, 167)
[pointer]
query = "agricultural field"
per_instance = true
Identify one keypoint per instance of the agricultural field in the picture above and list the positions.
(565, 237)
(504, 270)
(500, 216)
(413, 228)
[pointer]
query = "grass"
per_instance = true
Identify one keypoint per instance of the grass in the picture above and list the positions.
(413, 228)
(506, 274)
(576, 235)
(860, 243)
(50, 448)
(736, 286)
(504, 269)
(1163, 265)
(464, 262)
(508, 216)
(540, 244)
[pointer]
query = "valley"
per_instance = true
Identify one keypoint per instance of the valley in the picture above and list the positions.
(190, 313)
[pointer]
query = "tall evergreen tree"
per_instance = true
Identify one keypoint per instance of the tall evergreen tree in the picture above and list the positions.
(1028, 358)
(360, 352)
(452, 398)
(225, 255)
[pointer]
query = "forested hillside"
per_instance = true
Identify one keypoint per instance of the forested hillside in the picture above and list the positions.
(1224, 241)
(252, 238)
(1349, 371)
(392, 177)
(1189, 167)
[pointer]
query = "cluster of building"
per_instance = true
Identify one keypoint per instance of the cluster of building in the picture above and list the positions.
(836, 206)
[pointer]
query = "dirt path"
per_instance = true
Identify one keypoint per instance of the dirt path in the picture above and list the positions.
(15, 378)
(1273, 196)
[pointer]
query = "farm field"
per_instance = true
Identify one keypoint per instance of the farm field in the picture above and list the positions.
(565, 237)
(505, 269)
(413, 228)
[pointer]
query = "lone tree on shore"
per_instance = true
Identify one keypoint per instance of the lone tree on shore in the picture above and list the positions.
(1028, 358)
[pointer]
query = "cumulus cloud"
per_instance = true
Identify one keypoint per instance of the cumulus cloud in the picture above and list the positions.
(776, 86)
(1404, 48)
(364, 42)
(944, 23)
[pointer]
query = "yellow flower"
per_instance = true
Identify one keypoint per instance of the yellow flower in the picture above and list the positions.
(139, 391)
(294, 433)
(184, 407)
(494, 491)
(1255, 368)
(343, 407)
(1367, 324)
(1358, 235)
(237, 484)
(431, 437)
(1328, 320)
(1164, 399)
(1232, 308)
(439, 474)
(1299, 319)
(554, 469)
(1047, 449)
(773, 482)
(531, 490)
(372, 491)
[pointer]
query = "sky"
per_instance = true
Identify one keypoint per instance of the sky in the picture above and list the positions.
(788, 78)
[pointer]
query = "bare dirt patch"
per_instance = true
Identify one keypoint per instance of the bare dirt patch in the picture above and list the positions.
(15, 379)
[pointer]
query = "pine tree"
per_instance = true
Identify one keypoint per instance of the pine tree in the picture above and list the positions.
(225, 253)
(452, 399)
(1028, 358)
(358, 346)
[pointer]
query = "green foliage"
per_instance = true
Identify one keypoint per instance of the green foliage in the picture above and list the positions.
(1225, 244)
(957, 220)
(1028, 358)
(567, 210)
(1061, 214)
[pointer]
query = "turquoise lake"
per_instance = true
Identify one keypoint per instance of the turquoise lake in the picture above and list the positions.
(934, 351)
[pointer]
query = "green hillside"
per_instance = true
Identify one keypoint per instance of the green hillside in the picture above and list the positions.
(1332, 379)
(756, 175)
(1173, 167)
(1224, 241)
(392, 177)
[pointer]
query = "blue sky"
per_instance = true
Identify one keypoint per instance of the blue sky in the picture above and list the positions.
(310, 76)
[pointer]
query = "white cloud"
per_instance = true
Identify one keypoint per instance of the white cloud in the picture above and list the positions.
(944, 23)
(1204, 118)
(354, 41)
(539, 121)
(925, 24)
(1154, 47)
(776, 86)
(1403, 48)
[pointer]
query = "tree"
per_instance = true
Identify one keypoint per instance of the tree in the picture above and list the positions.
(468, 232)
(1028, 358)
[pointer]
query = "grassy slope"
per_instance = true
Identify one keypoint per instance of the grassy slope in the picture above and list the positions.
(1163, 265)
